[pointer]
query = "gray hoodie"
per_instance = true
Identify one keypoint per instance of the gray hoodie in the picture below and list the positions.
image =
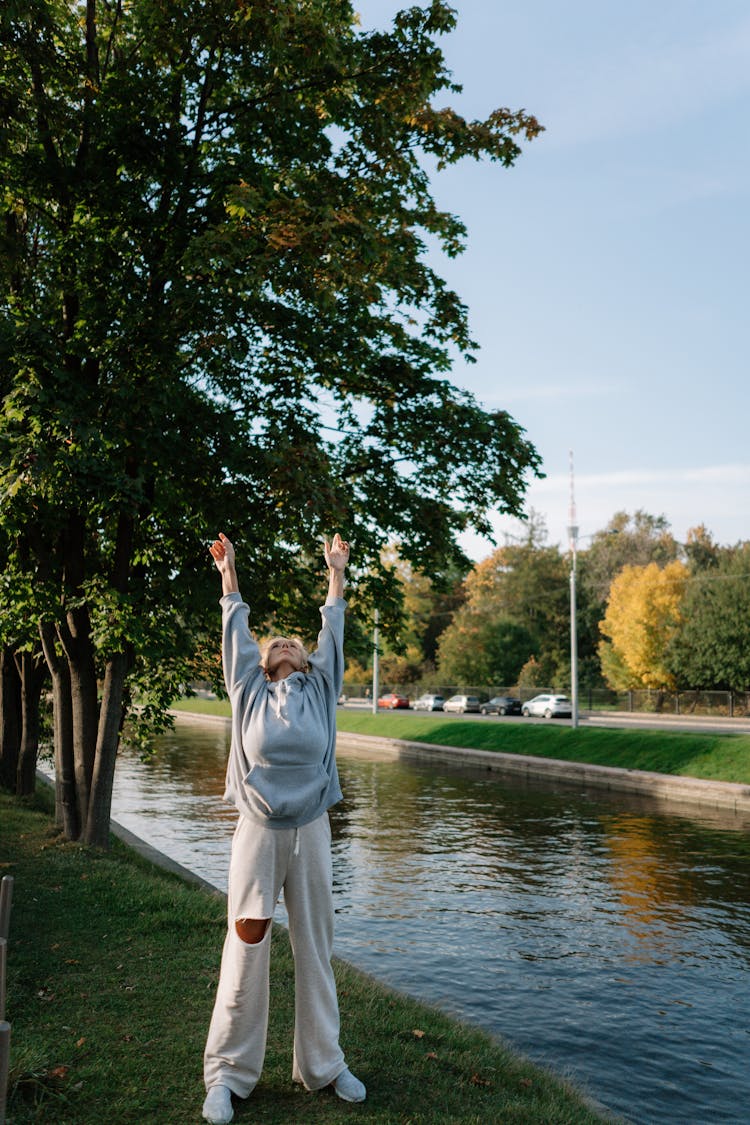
(282, 761)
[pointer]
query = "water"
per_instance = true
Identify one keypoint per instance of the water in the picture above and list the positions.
(602, 936)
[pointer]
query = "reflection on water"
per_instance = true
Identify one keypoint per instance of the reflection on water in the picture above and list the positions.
(601, 937)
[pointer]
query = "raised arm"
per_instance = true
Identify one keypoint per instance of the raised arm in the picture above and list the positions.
(337, 557)
(239, 650)
(327, 660)
(222, 552)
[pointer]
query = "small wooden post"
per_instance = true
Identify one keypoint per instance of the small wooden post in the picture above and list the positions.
(3, 965)
(6, 898)
(4, 1066)
(4, 1035)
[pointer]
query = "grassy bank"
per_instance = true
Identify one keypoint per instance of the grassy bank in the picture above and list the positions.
(204, 706)
(112, 971)
(711, 755)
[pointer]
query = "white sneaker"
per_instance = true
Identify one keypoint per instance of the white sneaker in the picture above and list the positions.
(217, 1108)
(349, 1088)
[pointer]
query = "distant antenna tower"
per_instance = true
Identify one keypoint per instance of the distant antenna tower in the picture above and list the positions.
(572, 524)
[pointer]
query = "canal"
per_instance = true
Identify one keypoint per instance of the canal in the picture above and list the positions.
(602, 936)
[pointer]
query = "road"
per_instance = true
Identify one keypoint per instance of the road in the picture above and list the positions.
(611, 719)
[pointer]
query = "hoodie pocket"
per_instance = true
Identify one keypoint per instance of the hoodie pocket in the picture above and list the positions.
(287, 792)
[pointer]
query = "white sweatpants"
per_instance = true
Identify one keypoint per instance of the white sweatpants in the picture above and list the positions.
(263, 861)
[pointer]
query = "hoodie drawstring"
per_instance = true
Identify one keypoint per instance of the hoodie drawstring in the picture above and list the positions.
(296, 841)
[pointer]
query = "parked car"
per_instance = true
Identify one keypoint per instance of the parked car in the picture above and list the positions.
(462, 703)
(502, 705)
(428, 703)
(392, 701)
(549, 706)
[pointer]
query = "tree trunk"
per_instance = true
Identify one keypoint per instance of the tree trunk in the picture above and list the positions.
(66, 807)
(32, 672)
(75, 636)
(107, 743)
(111, 710)
(10, 719)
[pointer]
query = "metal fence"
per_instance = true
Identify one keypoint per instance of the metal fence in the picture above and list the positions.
(731, 704)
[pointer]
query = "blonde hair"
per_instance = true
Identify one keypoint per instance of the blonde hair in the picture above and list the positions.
(265, 648)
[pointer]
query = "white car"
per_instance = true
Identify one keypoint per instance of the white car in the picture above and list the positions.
(548, 705)
(462, 703)
(428, 703)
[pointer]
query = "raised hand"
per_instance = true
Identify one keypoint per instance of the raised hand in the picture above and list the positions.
(336, 553)
(222, 552)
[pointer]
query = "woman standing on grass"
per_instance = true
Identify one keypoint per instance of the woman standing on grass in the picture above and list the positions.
(282, 777)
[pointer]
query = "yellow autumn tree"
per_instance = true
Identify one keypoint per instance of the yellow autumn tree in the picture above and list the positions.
(643, 614)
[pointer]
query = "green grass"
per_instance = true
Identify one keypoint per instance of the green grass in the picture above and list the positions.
(203, 706)
(112, 969)
(711, 755)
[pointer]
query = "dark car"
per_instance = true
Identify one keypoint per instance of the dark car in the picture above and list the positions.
(392, 701)
(501, 705)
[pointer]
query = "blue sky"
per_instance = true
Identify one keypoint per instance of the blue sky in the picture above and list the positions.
(607, 272)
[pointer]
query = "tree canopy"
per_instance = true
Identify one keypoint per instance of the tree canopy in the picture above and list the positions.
(516, 607)
(217, 313)
(712, 648)
(643, 615)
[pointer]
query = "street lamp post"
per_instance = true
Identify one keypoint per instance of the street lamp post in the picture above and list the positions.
(375, 666)
(573, 634)
(573, 539)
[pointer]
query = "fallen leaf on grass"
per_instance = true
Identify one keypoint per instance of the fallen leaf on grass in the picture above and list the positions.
(477, 1080)
(417, 1033)
(431, 1055)
(58, 1072)
(81, 1041)
(525, 1082)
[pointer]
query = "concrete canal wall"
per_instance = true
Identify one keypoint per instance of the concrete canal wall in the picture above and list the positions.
(682, 790)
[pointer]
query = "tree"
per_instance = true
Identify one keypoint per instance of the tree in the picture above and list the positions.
(217, 309)
(701, 551)
(24, 673)
(408, 655)
(477, 651)
(516, 607)
(627, 540)
(711, 650)
(643, 615)
(10, 718)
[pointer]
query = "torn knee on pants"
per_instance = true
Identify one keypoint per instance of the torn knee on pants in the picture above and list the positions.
(251, 930)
